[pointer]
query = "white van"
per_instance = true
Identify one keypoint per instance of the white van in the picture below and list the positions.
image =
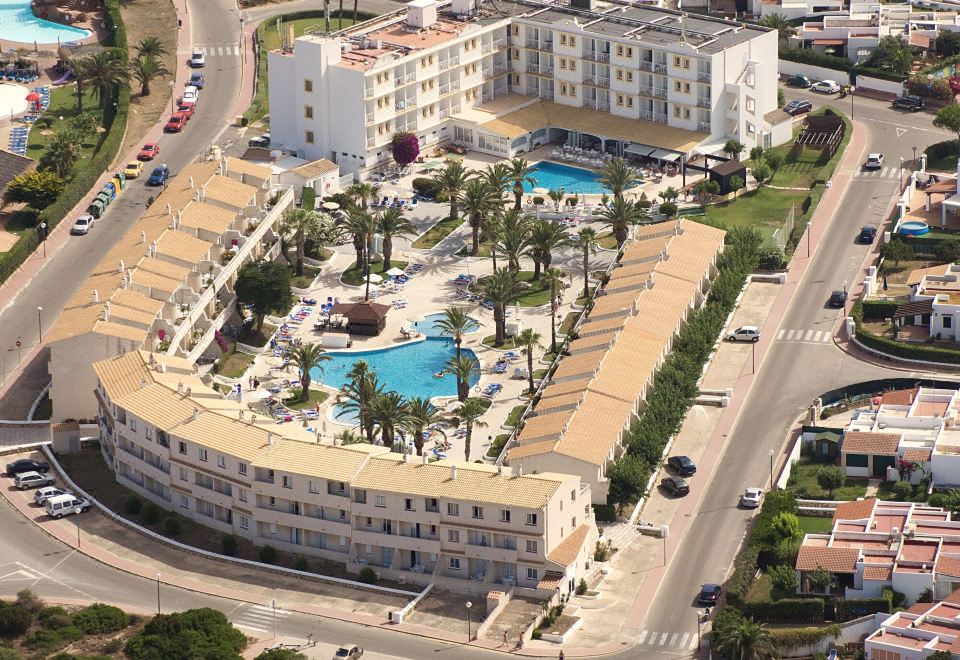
(64, 505)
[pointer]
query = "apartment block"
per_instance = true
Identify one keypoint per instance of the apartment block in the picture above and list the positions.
(462, 526)
(918, 632)
(167, 285)
(504, 79)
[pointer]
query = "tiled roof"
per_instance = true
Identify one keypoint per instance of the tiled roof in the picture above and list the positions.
(917, 274)
(878, 573)
(900, 397)
(229, 191)
(315, 460)
(566, 553)
(546, 426)
(13, 165)
(835, 560)
(863, 442)
(857, 510)
(201, 215)
(917, 455)
(183, 247)
(948, 566)
(241, 166)
(315, 168)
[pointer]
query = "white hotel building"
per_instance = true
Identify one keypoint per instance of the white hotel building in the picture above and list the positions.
(505, 79)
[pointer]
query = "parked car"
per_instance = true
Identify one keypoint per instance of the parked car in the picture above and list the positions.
(908, 102)
(683, 465)
(27, 465)
(867, 234)
(751, 498)
(64, 505)
(196, 79)
(45, 493)
(797, 107)
(348, 652)
(676, 485)
(799, 81)
(874, 162)
(259, 141)
(26, 480)
(133, 169)
(159, 176)
(826, 87)
(197, 60)
(838, 298)
(82, 225)
(187, 108)
(709, 594)
(149, 151)
(190, 94)
(745, 333)
(176, 123)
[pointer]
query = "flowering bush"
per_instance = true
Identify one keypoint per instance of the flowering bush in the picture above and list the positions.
(406, 148)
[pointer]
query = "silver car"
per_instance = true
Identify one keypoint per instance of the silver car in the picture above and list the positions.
(26, 480)
(751, 498)
(45, 493)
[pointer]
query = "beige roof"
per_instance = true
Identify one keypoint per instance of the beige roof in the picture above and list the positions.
(633, 270)
(183, 247)
(563, 389)
(315, 168)
(634, 283)
(865, 442)
(533, 449)
(164, 268)
(592, 342)
(658, 230)
(561, 402)
(616, 303)
(119, 313)
(595, 429)
(590, 327)
(229, 191)
(134, 300)
(241, 166)
(834, 560)
(157, 405)
(315, 460)
(474, 483)
(583, 364)
(126, 373)
(544, 426)
(120, 330)
(158, 283)
(692, 252)
(569, 549)
(645, 250)
(200, 215)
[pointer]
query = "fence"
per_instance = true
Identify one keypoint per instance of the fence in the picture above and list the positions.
(781, 237)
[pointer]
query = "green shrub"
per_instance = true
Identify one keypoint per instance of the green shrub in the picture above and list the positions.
(810, 56)
(171, 527)
(267, 554)
(426, 187)
(895, 597)
(132, 504)
(55, 617)
(850, 609)
(740, 581)
(581, 587)
(604, 513)
(785, 610)
(787, 639)
(903, 490)
(783, 577)
(112, 646)
(301, 564)
(14, 620)
(308, 199)
(150, 514)
(280, 654)
(99, 618)
(43, 641)
(228, 545)
(536, 634)
(725, 620)
(200, 633)
(773, 258)
(29, 600)
(937, 500)
(367, 575)
(877, 310)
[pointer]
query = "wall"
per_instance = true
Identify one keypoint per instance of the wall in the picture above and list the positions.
(72, 377)
(788, 68)
(912, 585)
(878, 85)
(852, 631)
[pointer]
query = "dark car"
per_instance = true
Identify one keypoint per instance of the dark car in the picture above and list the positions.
(159, 176)
(27, 465)
(683, 465)
(262, 141)
(797, 107)
(799, 81)
(908, 102)
(838, 298)
(867, 234)
(709, 594)
(676, 485)
(196, 79)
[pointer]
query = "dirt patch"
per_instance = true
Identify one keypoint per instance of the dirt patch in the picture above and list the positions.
(156, 18)
(446, 610)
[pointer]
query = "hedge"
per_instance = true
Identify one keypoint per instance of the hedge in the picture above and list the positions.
(785, 610)
(605, 513)
(907, 351)
(877, 310)
(854, 608)
(744, 570)
(808, 56)
(787, 639)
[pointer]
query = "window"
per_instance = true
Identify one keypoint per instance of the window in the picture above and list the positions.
(244, 522)
(619, 74)
(287, 481)
(182, 447)
(676, 111)
(478, 512)
(573, 90)
(453, 509)
(148, 432)
(686, 62)
(308, 137)
(243, 494)
(307, 85)
(676, 85)
(313, 486)
(343, 514)
(308, 112)
(629, 76)
(342, 487)
(380, 501)
(242, 468)
(686, 113)
(516, 30)
(629, 101)
(183, 474)
(563, 63)
(532, 574)
(221, 461)
(203, 455)
(573, 495)
(184, 502)
(407, 504)
(272, 501)
(686, 88)
(505, 515)
(629, 51)
(453, 535)
(619, 99)
(563, 41)
(619, 50)
(531, 519)
(563, 88)
(676, 61)
(573, 522)
(947, 322)
(454, 563)
(531, 545)
(573, 65)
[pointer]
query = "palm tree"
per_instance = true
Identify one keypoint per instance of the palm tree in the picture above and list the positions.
(106, 73)
(530, 341)
(545, 237)
(556, 196)
(355, 395)
(780, 23)
(62, 152)
(501, 289)
(362, 226)
(145, 69)
(151, 46)
(478, 199)
(492, 231)
(520, 173)
(363, 193)
(587, 241)
(747, 640)
(455, 323)
(420, 415)
(470, 412)
(497, 176)
(347, 437)
(307, 357)
(620, 217)
(451, 179)
(388, 410)
(554, 278)
(514, 230)
(391, 224)
(617, 176)
(463, 368)
(303, 224)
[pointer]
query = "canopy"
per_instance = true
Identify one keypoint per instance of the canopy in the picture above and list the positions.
(406, 194)
(639, 150)
(373, 278)
(394, 272)
(331, 206)
(388, 192)
(541, 191)
(665, 154)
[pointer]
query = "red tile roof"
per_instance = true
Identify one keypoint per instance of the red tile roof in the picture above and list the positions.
(902, 397)
(862, 442)
(920, 608)
(857, 510)
(916, 455)
(948, 566)
(881, 573)
(835, 560)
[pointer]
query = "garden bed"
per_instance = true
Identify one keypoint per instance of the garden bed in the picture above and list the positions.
(803, 482)
(437, 233)
(354, 275)
(303, 281)
(513, 417)
(317, 397)
(233, 364)
(251, 337)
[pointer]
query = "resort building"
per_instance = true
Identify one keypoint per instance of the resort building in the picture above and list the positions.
(504, 79)
(918, 632)
(581, 421)
(167, 285)
(909, 547)
(934, 309)
(462, 526)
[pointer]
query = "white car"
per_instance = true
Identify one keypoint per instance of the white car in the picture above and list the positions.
(190, 94)
(45, 493)
(348, 652)
(751, 498)
(826, 87)
(82, 225)
(874, 162)
(197, 60)
(26, 480)
(745, 333)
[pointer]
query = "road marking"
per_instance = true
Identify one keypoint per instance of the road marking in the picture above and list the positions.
(18, 575)
(259, 617)
(673, 640)
(808, 335)
(780, 334)
(884, 174)
(901, 132)
(826, 338)
(683, 641)
(816, 336)
(790, 335)
(643, 636)
(663, 639)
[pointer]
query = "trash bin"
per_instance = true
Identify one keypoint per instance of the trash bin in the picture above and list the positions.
(120, 180)
(96, 208)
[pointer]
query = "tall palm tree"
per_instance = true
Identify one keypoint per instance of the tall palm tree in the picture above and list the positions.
(478, 200)
(502, 288)
(554, 278)
(556, 196)
(391, 224)
(463, 368)
(748, 640)
(587, 241)
(151, 46)
(362, 226)
(451, 179)
(545, 237)
(389, 411)
(497, 176)
(492, 231)
(470, 412)
(514, 230)
(780, 23)
(455, 323)
(620, 217)
(106, 73)
(355, 396)
(307, 357)
(145, 69)
(530, 341)
(362, 192)
(303, 224)
(520, 173)
(78, 65)
(617, 176)
(420, 415)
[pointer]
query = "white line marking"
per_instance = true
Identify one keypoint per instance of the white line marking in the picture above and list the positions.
(683, 641)
(884, 173)
(246, 627)
(816, 337)
(790, 335)
(663, 638)
(643, 636)
(808, 335)
(826, 338)
(781, 333)
(673, 639)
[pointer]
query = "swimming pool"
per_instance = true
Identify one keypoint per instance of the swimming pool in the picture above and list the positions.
(428, 326)
(555, 176)
(17, 23)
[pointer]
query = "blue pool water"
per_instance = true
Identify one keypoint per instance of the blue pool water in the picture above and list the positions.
(555, 176)
(17, 23)
(428, 326)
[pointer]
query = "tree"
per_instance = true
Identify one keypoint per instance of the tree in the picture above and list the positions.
(705, 191)
(736, 185)
(783, 577)
(303, 224)
(478, 200)
(451, 179)
(830, 477)
(198, 633)
(280, 654)
(774, 161)
(355, 396)
(556, 196)
(892, 53)
(38, 188)
(391, 224)
(620, 217)
(520, 172)
(405, 148)
(497, 176)
(781, 24)
(455, 323)
(668, 209)
(617, 176)
(78, 66)
(151, 46)
(748, 640)
(554, 278)
(896, 250)
(762, 174)
(469, 413)
(587, 242)
(786, 525)
(145, 69)
(628, 481)
(362, 226)
(265, 286)
(756, 154)
(948, 117)
(941, 655)
(106, 73)
(820, 579)
(305, 358)
(62, 152)
(420, 415)
(530, 341)
(85, 125)
(513, 233)
(388, 410)
(501, 288)
(671, 194)
(545, 237)
(362, 192)
(948, 43)
(463, 368)
(733, 148)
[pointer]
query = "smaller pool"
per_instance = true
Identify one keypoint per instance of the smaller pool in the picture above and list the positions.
(914, 228)
(18, 23)
(555, 176)
(429, 325)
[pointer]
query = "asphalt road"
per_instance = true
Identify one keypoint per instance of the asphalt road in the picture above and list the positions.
(793, 375)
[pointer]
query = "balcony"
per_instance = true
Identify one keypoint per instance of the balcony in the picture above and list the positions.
(369, 117)
(646, 66)
(450, 87)
(703, 126)
(547, 96)
(540, 45)
(157, 463)
(660, 119)
(133, 450)
(404, 79)
(368, 92)
(603, 82)
(494, 70)
(660, 92)
(660, 68)
(406, 104)
(446, 64)
(597, 55)
(704, 77)
(490, 552)
(703, 103)
(371, 142)
(646, 91)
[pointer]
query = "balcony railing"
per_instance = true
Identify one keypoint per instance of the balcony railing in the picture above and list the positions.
(603, 82)
(540, 45)
(548, 96)
(450, 87)
(703, 126)
(646, 91)
(368, 92)
(660, 119)
(405, 78)
(703, 103)
(646, 66)
(704, 76)
(597, 55)
(369, 117)
(646, 115)
(406, 104)
(138, 453)
(446, 64)
(494, 70)
(660, 92)
(659, 68)
(371, 141)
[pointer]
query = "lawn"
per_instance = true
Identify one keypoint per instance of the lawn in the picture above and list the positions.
(803, 481)
(513, 418)
(567, 324)
(354, 275)
(437, 233)
(483, 251)
(764, 209)
(497, 445)
(303, 281)
(233, 364)
(508, 342)
(63, 103)
(762, 590)
(250, 337)
(536, 294)
(815, 524)
(316, 397)
(607, 241)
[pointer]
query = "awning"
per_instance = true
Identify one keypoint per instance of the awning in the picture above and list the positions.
(829, 42)
(665, 154)
(639, 150)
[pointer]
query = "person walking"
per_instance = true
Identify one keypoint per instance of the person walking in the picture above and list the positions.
(505, 638)
(561, 656)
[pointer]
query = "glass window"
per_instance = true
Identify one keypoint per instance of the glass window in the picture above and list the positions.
(242, 468)
(243, 495)
(287, 481)
(531, 545)
(532, 574)
(453, 509)
(203, 455)
(505, 515)
(478, 512)
(308, 111)
(531, 519)
(183, 474)
(380, 500)
(221, 461)
(307, 85)
(455, 563)
(244, 522)
(453, 535)
(184, 502)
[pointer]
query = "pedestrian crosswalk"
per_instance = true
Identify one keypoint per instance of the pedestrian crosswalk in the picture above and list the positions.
(883, 173)
(804, 335)
(258, 617)
(219, 50)
(652, 639)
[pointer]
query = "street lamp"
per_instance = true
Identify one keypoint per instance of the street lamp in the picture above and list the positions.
(40, 323)
(664, 532)
(900, 185)
(915, 159)
(469, 625)
(243, 54)
(771, 469)
(158, 594)
(701, 618)
(171, 97)
(273, 606)
(852, 90)
(43, 237)
(78, 511)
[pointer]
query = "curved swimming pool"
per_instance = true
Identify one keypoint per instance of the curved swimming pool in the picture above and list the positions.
(18, 23)
(914, 228)
(429, 327)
